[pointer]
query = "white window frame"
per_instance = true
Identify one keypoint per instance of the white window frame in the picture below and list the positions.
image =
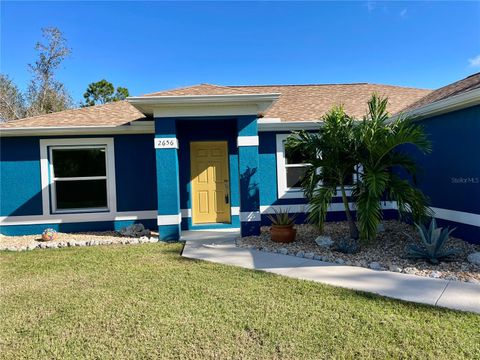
(48, 182)
(285, 192)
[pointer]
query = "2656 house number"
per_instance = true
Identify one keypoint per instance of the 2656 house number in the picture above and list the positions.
(166, 143)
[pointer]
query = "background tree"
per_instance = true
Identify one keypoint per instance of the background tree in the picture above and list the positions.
(45, 94)
(102, 92)
(332, 155)
(381, 156)
(12, 104)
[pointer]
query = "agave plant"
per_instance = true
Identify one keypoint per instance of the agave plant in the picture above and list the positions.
(282, 218)
(433, 244)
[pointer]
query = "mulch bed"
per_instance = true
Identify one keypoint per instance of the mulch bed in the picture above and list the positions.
(388, 250)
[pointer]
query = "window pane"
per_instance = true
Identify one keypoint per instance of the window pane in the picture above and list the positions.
(81, 194)
(295, 176)
(79, 162)
(294, 157)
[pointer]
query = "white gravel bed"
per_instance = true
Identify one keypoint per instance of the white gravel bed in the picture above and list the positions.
(31, 242)
(387, 253)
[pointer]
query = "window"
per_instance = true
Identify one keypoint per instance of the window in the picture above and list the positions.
(291, 168)
(80, 175)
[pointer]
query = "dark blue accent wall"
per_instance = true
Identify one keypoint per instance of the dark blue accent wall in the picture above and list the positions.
(135, 172)
(20, 181)
(450, 175)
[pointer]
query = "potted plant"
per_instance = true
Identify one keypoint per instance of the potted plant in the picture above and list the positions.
(282, 227)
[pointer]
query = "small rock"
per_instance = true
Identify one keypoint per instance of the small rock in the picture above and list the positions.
(340, 261)
(348, 263)
(451, 277)
(300, 254)
(435, 274)
(309, 255)
(375, 266)
(410, 270)
(380, 227)
(394, 268)
(474, 258)
(153, 239)
(31, 246)
(473, 281)
(318, 257)
(283, 251)
(52, 245)
(324, 241)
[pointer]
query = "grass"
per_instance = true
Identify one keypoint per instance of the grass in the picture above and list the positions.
(146, 301)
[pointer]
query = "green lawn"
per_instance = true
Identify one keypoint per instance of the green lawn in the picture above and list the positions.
(146, 301)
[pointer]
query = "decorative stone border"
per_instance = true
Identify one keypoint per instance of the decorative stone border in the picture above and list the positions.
(72, 243)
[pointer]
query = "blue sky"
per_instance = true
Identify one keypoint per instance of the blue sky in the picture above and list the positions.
(150, 46)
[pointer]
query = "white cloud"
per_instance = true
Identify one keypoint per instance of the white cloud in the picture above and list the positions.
(474, 62)
(403, 12)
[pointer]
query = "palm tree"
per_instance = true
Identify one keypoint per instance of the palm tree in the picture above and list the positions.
(331, 152)
(382, 157)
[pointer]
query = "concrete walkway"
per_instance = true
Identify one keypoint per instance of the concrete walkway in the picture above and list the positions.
(219, 247)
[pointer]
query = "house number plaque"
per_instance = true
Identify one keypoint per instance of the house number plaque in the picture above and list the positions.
(166, 143)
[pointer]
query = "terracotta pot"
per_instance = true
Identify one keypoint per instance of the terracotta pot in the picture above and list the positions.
(283, 233)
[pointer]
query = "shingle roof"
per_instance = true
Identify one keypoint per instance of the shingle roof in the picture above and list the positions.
(471, 82)
(296, 103)
(115, 113)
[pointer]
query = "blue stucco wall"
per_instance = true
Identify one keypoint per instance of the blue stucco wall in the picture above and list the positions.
(20, 180)
(20, 185)
(450, 175)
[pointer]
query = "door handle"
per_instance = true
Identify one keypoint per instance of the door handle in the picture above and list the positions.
(226, 199)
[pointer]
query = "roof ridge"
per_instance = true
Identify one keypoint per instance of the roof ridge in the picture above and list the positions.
(333, 84)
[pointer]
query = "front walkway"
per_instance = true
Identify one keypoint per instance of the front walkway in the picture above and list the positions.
(219, 247)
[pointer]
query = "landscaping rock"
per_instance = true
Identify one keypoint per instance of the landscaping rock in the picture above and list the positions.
(309, 255)
(135, 230)
(340, 261)
(435, 274)
(300, 254)
(324, 241)
(375, 266)
(394, 268)
(474, 258)
(283, 251)
(410, 270)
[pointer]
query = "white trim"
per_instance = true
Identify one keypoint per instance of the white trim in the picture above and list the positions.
(159, 143)
(449, 104)
(249, 216)
(457, 216)
(203, 105)
(247, 141)
(45, 170)
(77, 218)
(275, 124)
(303, 208)
(187, 213)
(169, 219)
(136, 127)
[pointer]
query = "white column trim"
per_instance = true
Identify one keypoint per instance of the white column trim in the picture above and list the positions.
(247, 141)
(249, 216)
(169, 219)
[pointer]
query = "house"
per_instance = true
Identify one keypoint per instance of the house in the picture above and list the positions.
(451, 173)
(198, 157)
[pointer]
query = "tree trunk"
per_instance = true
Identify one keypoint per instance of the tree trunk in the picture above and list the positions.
(354, 234)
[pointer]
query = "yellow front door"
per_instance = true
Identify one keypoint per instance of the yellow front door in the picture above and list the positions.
(210, 183)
